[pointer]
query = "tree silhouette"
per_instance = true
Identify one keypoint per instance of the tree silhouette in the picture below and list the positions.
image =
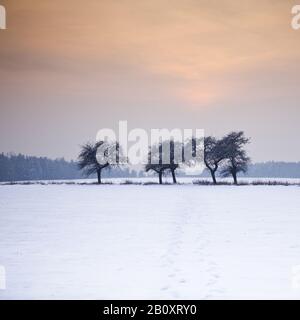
(214, 154)
(157, 154)
(235, 154)
(91, 161)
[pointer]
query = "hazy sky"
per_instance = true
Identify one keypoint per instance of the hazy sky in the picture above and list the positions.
(69, 68)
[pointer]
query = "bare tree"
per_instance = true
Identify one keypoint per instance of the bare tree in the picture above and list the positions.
(235, 154)
(213, 155)
(93, 162)
(156, 155)
(158, 168)
(173, 165)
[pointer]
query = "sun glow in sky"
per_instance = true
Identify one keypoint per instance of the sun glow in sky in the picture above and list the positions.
(69, 68)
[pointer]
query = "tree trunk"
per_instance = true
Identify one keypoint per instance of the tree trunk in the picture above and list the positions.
(213, 175)
(173, 176)
(234, 178)
(99, 176)
(160, 177)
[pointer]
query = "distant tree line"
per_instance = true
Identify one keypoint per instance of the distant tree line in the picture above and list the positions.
(274, 169)
(18, 167)
(222, 157)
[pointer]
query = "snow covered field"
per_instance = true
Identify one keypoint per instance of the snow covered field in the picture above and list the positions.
(160, 242)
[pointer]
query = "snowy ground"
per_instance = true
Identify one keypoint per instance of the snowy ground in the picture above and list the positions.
(154, 179)
(160, 242)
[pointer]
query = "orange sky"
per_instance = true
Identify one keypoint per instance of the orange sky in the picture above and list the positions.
(69, 68)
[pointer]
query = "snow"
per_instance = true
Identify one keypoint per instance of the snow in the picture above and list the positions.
(149, 242)
(154, 179)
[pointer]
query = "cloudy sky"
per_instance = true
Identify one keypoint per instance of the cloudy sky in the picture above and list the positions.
(69, 68)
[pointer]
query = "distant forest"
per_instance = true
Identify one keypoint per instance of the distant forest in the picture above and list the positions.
(270, 169)
(22, 168)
